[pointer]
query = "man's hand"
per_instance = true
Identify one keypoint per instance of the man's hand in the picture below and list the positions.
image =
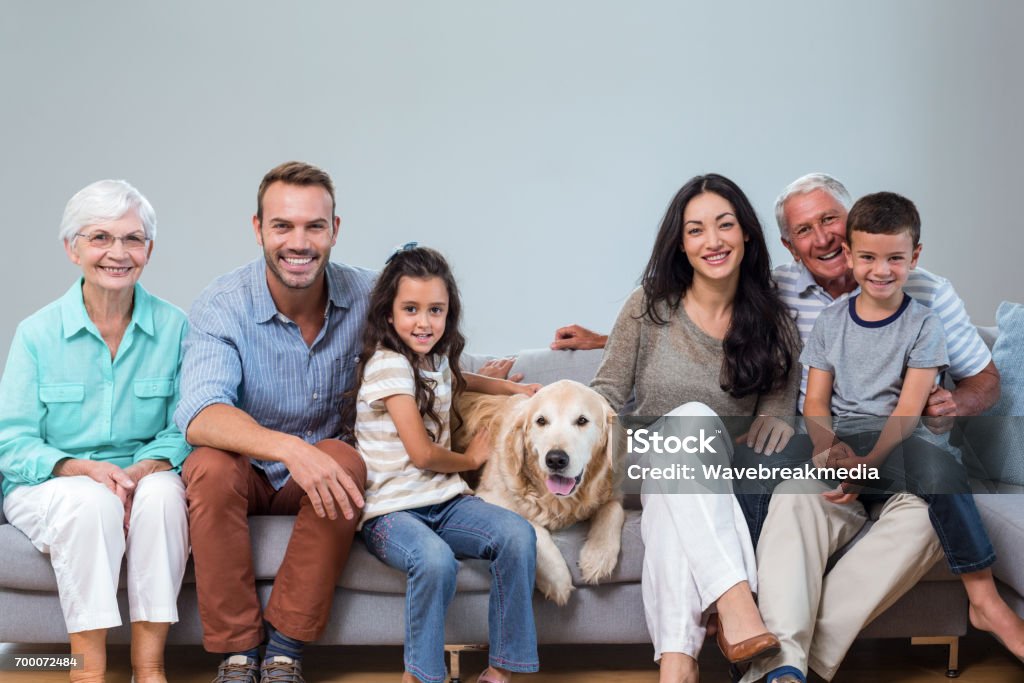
(835, 455)
(844, 494)
(767, 435)
(328, 486)
(498, 368)
(940, 411)
(574, 337)
(479, 449)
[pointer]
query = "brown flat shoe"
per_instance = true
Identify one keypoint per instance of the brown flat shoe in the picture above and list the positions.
(763, 645)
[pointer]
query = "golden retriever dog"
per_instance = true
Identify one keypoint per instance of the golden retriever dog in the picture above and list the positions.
(552, 463)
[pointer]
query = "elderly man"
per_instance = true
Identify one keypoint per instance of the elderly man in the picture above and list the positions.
(270, 352)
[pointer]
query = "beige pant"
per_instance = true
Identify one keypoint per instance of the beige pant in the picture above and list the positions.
(818, 616)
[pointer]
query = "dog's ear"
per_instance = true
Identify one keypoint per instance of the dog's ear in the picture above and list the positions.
(515, 439)
(609, 437)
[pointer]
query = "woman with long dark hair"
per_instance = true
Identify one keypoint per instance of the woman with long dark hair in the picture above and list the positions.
(704, 336)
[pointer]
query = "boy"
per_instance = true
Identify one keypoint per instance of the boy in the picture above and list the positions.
(873, 359)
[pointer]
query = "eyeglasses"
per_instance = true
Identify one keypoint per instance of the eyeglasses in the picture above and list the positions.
(104, 240)
(408, 246)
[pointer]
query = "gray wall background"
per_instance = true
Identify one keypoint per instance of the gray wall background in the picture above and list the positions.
(535, 143)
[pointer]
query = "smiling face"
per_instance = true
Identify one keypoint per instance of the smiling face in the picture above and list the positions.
(817, 231)
(420, 312)
(713, 239)
(297, 232)
(881, 264)
(565, 429)
(113, 268)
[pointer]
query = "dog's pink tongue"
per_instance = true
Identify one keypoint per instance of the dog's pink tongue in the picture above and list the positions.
(560, 486)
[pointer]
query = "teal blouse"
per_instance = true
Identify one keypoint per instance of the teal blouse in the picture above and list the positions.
(62, 396)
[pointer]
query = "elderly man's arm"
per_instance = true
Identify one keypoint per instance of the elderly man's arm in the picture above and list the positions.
(577, 338)
(972, 395)
(970, 363)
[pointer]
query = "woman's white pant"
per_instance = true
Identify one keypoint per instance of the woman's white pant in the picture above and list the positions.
(80, 524)
(696, 547)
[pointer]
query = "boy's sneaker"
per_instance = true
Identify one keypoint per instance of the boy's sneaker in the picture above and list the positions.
(237, 669)
(281, 670)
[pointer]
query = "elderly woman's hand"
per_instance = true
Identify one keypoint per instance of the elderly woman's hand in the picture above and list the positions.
(113, 477)
(108, 474)
(137, 471)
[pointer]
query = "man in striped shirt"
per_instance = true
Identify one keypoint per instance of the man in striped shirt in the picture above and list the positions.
(270, 352)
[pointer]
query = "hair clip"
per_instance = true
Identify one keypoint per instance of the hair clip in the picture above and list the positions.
(408, 246)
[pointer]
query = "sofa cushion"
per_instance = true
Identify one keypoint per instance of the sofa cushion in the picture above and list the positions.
(1003, 515)
(366, 573)
(24, 567)
(997, 438)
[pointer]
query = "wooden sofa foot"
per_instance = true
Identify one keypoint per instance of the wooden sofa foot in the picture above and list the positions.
(453, 658)
(953, 665)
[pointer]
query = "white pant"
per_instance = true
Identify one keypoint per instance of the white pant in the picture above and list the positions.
(696, 547)
(80, 524)
(817, 616)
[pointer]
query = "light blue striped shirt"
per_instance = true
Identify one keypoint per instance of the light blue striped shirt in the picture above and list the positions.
(242, 351)
(806, 299)
(63, 396)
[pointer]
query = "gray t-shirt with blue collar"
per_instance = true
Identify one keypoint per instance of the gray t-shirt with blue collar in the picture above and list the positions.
(869, 359)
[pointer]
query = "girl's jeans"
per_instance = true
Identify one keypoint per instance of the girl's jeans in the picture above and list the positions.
(426, 543)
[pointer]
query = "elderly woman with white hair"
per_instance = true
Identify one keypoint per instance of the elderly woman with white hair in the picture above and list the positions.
(88, 447)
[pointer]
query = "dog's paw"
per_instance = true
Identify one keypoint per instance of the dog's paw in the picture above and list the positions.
(558, 593)
(597, 562)
(556, 585)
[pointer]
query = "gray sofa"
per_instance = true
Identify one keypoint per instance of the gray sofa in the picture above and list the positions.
(369, 599)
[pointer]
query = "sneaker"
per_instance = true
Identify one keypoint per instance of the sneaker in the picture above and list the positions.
(237, 669)
(281, 670)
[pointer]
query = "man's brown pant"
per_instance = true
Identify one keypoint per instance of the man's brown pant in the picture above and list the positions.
(223, 489)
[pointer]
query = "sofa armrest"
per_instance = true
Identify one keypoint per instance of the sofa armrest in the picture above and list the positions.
(545, 366)
(471, 362)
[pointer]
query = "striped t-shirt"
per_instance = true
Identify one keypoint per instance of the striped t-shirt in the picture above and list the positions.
(393, 482)
(806, 299)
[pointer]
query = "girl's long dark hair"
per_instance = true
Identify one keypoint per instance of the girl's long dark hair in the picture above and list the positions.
(758, 356)
(420, 263)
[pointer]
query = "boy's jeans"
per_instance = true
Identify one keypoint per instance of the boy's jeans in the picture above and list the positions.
(917, 466)
(426, 543)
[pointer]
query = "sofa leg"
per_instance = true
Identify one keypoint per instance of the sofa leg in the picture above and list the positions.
(453, 658)
(953, 665)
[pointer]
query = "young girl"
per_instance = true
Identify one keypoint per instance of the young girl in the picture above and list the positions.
(419, 515)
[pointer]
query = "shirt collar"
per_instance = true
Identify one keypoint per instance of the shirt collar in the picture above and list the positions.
(74, 317)
(264, 307)
(805, 280)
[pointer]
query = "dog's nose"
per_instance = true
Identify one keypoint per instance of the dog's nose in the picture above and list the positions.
(556, 460)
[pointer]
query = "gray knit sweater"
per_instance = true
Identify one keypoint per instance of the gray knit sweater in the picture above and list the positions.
(677, 363)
